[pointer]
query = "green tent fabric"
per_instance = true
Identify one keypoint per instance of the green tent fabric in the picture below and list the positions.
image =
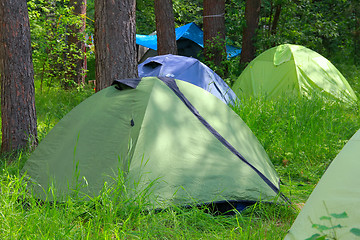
(293, 70)
(337, 192)
(149, 133)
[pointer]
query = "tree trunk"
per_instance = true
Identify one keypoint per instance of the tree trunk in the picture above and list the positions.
(252, 11)
(78, 60)
(214, 31)
(165, 27)
(276, 19)
(18, 113)
(115, 41)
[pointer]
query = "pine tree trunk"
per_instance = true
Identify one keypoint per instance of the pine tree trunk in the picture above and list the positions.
(77, 73)
(18, 113)
(214, 31)
(115, 41)
(165, 27)
(252, 11)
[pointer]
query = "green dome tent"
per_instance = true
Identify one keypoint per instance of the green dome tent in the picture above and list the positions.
(192, 145)
(293, 70)
(335, 202)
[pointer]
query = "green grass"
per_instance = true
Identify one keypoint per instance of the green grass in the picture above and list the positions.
(108, 217)
(52, 104)
(301, 136)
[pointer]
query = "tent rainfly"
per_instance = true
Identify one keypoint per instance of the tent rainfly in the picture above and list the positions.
(293, 70)
(333, 208)
(190, 70)
(164, 134)
(189, 40)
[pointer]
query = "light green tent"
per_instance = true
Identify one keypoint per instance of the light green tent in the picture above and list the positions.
(194, 147)
(293, 70)
(335, 202)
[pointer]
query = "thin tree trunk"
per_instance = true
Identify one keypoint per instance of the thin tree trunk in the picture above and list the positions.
(214, 31)
(165, 27)
(270, 18)
(18, 113)
(79, 61)
(115, 41)
(276, 19)
(252, 11)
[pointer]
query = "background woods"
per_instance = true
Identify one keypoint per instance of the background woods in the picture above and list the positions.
(329, 27)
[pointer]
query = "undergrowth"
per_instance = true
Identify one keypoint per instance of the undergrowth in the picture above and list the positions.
(301, 136)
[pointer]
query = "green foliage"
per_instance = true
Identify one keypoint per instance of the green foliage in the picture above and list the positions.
(216, 46)
(324, 26)
(187, 11)
(327, 27)
(234, 22)
(52, 55)
(145, 17)
(90, 75)
(329, 231)
(90, 17)
(53, 103)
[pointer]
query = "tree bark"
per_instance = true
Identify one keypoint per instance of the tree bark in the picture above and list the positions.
(78, 59)
(115, 41)
(18, 113)
(165, 27)
(276, 19)
(252, 11)
(214, 31)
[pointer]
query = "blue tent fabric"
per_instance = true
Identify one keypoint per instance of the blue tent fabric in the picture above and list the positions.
(190, 70)
(189, 31)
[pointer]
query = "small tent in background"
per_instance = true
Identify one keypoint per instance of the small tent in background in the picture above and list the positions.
(189, 39)
(190, 70)
(293, 70)
(156, 130)
(333, 208)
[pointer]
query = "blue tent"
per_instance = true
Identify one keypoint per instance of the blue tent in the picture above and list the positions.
(190, 70)
(189, 39)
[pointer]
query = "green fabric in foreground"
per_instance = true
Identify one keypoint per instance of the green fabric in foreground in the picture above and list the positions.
(293, 70)
(149, 134)
(335, 202)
